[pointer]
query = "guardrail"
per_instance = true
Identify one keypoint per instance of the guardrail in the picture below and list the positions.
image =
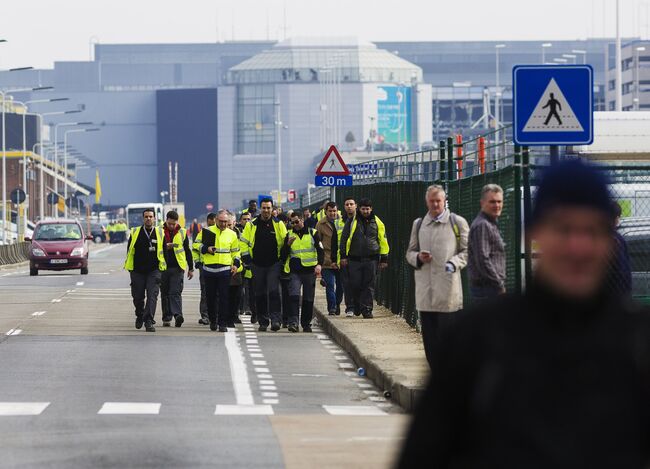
(14, 253)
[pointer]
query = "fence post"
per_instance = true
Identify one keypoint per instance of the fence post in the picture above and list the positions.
(450, 159)
(442, 156)
(528, 249)
(518, 218)
(481, 154)
(459, 156)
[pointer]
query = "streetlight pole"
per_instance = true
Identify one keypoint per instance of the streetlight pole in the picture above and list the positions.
(497, 97)
(56, 152)
(545, 46)
(278, 133)
(65, 164)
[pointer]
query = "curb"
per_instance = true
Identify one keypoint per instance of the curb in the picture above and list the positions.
(406, 396)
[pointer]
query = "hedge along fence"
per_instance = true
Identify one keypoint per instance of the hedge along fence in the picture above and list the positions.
(14, 253)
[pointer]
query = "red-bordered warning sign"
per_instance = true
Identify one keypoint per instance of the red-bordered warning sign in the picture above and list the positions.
(332, 164)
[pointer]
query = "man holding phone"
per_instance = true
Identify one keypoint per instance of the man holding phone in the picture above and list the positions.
(438, 251)
(178, 256)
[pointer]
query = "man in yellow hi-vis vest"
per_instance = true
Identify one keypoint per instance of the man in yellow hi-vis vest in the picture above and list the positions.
(210, 220)
(363, 248)
(302, 258)
(178, 256)
(145, 261)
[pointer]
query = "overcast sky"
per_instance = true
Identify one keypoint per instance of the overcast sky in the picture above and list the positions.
(43, 31)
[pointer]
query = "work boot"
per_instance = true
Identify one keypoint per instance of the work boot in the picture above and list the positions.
(275, 327)
(293, 328)
(262, 328)
(204, 322)
(138, 323)
(306, 329)
(332, 312)
(367, 314)
(167, 324)
(148, 326)
(178, 322)
(223, 329)
(213, 326)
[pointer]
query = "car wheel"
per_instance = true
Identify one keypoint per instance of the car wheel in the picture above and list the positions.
(98, 239)
(84, 271)
(33, 272)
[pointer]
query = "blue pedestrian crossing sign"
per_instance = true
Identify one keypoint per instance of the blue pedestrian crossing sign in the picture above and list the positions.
(553, 104)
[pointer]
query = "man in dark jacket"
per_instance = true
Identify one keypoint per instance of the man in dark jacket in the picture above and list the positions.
(363, 248)
(556, 378)
(619, 279)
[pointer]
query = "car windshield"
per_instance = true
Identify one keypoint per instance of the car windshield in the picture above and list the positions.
(58, 232)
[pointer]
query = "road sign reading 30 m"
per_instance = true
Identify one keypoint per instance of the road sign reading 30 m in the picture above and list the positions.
(332, 170)
(553, 104)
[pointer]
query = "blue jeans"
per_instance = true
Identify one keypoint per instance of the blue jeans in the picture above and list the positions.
(333, 288)
(483, 293)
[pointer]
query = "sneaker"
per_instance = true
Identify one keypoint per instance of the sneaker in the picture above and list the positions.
(138, 323)
(253, 318)
(367, 315)
(349, 314)
(293, 328)
(230, 324)
(306, 329)
(204, 322)
(213, 326)
(148, 326)
(332, 312)
(223, 329)
(178, 321)
(262, 328)
(275, 326)
(167, 324)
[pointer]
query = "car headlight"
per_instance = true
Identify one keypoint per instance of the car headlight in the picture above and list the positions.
(77, 252)
(38, 252)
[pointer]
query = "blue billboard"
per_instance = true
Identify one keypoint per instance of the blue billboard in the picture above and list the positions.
(394, 114)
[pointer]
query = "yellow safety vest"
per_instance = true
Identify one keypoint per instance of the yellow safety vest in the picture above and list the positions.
(130, 256)
(226, 244)
(248, 237)
(304, 249)
(381, 233)
(179, 251)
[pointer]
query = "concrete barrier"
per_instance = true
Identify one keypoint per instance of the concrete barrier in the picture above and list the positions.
(14, 253)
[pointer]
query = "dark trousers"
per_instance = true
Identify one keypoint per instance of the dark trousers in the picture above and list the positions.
(217, 296)
(307, 283)
(434, 327)
(234, 293)
(350, 305)
(361, 281)
(267, 293)
(249, 295)
(203, 304)
(171, 291)
(286, 302)
(482, 293)
(145, 286)
(333, 288)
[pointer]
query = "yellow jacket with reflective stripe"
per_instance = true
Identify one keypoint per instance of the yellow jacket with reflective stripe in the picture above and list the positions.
(179, 251)
(130, 256)
(381, 234)
(304, 249)
(225, 241)
(248, 237)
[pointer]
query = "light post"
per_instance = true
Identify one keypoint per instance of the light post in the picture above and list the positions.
(545, 46)
(581, 52)
(278, 133)
(637, 77)
(56, 147)
(497, 98)
(65, 164)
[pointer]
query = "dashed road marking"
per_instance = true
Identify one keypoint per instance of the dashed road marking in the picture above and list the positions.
(39, 313)
(353, 410)
(14, 332)
(10, 409)
(130, 408)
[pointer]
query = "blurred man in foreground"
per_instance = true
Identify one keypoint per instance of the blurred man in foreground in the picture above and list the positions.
(557, 377)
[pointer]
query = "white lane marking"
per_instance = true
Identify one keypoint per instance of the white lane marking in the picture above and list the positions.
(99, 273)
(238, 373)
(346, 366)
(22, 408)
(377, 399)
(254, 348)
(270, 401)
(307, 375)
(353, 410)
(371, 393)
(99, 251)
(269, 394)
(14, 332)
(364, 385)
(79, 284)
(341, 357)
(256, 355)
(252, 341)
(56, 300)
(240, 409)
(263, 376)
(39, 313)
(259, 363)
(262, 370)
(267, 381)
(322, 337)
(268, 388)
(130, 408)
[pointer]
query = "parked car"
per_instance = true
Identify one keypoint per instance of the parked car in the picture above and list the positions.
(98, 232)
(58, 245)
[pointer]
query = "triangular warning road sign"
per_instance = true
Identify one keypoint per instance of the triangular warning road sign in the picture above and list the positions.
(553, 113)
(332, 164)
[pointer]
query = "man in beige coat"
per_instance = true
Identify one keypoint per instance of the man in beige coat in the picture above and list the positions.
(438, 251)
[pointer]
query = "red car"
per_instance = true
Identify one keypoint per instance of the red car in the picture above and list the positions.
(58, 245)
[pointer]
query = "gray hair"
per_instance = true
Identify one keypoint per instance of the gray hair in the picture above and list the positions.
(491, 188)
(435, 188)
(223, 211)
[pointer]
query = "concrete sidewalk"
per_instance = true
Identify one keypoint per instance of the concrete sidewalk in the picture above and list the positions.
(386, 346)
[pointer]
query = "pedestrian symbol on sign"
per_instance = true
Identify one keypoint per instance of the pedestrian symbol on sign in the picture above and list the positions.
(553, 113)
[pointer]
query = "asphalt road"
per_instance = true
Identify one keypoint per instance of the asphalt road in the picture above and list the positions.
(81, 387)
